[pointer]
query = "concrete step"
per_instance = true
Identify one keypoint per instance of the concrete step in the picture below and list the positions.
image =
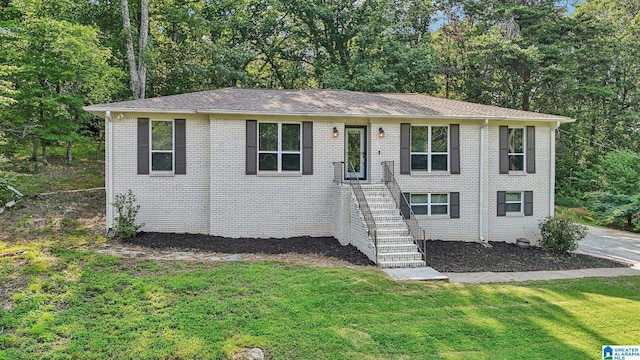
(395, 239)
(388, 218)
(381, 205)
(399, 256)
(383, 212)
(401, 264)
(397, 248)
(385, 232)
(390, 224)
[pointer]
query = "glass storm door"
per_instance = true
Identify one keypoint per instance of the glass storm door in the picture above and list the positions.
(355, 150)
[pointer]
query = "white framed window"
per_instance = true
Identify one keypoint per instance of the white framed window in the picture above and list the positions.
(517, 145)
(161, 145)
(279, 147)
(430, 204)
(430, 148)
(514, 202)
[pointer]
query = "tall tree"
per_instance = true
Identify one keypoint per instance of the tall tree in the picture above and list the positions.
(63, 67)
(137, 66)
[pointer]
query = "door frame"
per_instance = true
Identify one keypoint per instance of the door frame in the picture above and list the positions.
(363, 142)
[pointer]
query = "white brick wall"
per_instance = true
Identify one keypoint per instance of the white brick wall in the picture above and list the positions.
(510, 228)
(216, 197)
(177, 203)
(466, 227)
(349, 226)
(263, 206)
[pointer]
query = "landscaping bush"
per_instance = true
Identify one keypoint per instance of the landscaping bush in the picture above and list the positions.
(560, 235)
(127, 211)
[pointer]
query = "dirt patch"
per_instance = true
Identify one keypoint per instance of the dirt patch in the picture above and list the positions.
(62, 213)
(455, 256)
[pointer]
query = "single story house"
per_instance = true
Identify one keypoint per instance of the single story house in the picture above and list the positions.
(376, 170)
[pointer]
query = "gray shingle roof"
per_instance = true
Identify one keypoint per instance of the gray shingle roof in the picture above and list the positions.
(318, 102)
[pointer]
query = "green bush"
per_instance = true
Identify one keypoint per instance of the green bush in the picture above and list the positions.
(127, 211)
(560, 235)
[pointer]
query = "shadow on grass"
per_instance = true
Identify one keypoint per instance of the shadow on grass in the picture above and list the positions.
(84, 304)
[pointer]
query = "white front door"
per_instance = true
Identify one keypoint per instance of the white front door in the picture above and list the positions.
(355, 152)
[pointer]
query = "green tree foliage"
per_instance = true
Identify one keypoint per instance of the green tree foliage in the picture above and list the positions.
(61, 68)
(619, 201)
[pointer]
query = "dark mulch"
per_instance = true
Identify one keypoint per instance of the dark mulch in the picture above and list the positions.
(325, 246)
(445, 256)
(455, 256)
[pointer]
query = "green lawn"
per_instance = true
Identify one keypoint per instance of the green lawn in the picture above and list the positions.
(61, 300)
(64, 303)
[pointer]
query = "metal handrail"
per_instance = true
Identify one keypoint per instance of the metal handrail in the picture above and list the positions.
(416, 231)
(355, 184)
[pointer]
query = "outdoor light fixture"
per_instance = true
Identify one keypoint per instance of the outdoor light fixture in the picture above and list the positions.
(380, 133)
(335, 131)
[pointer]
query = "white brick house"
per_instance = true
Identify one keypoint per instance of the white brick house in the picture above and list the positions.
(262, 163)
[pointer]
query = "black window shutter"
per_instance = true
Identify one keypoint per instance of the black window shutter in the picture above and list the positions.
(504, 149)
(454, 159)
(143, 146)
(502, 203)
(528, 203)
(531, 149)
(181, 146)
(251, 162)
(405, 209)
(405, 148)
(307, 148)
(454, 205)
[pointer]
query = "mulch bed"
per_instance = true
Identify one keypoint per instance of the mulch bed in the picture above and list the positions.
(445, 256)
(324, 246)
(457, 256)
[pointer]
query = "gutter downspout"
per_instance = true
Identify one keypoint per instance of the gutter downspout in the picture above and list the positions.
(109, 171)
(552, 168)
(481, 191)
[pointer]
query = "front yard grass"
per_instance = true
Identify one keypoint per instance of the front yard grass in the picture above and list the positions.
(60, 301)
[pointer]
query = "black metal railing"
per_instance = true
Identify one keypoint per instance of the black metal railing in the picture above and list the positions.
(356, 186)
(404, 206)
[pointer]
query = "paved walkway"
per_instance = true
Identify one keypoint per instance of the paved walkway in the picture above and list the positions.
(612, 244)
(499, 277)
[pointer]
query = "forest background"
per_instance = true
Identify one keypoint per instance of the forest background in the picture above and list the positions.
(535, 55)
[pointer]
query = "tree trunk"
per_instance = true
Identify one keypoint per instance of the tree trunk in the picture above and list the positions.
(99, 145)
(526, 92)
(69, 154)
(34, 151)
(137, 69)
(44, 152)
(142, 46)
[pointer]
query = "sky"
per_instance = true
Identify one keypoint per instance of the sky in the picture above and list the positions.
(570, 4)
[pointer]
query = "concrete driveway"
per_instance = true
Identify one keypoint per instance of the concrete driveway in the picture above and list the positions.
(612, 244)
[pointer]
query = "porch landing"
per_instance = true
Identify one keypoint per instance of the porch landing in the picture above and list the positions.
(415, 274)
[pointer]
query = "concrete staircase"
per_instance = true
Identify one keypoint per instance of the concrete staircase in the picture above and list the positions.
(396, 248)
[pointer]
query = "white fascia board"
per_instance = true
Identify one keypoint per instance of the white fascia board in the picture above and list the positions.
(384, 116)
(100, 111)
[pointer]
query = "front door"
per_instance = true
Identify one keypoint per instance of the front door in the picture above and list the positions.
(355, 151)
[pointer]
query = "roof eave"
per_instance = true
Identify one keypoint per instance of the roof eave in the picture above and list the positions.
(562, 120)
(101, 111)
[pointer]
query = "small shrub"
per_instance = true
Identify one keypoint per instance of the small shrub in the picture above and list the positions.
(127, 211)
(560, 235)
